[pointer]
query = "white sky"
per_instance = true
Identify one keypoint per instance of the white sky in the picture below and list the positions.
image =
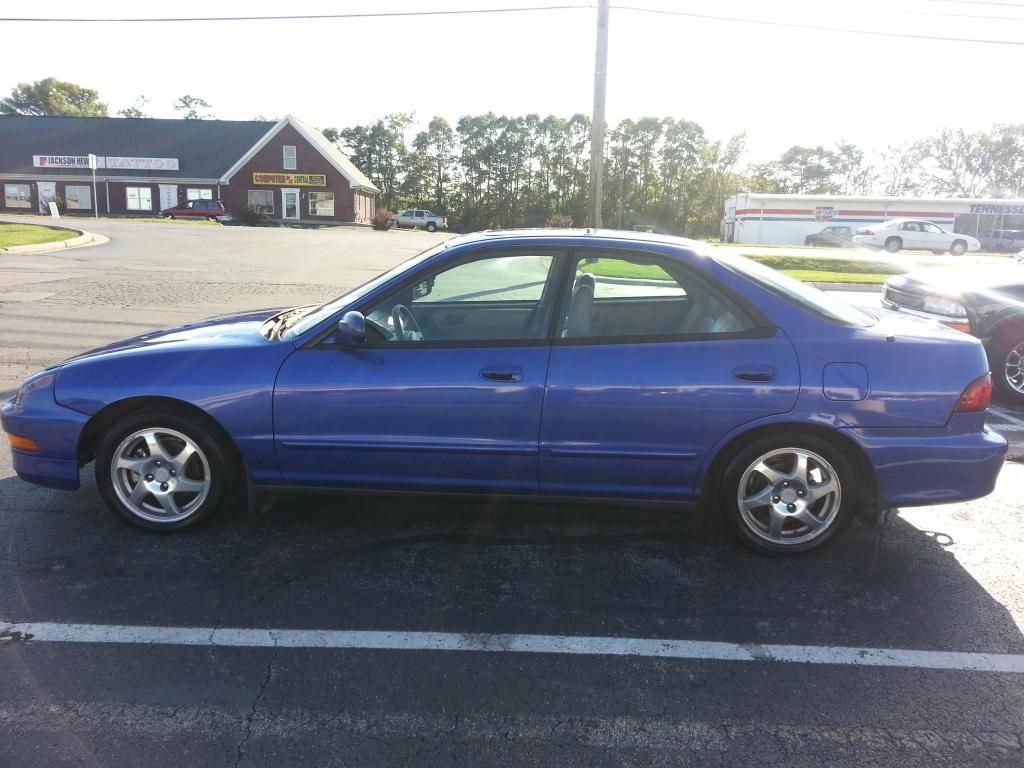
(783, 86)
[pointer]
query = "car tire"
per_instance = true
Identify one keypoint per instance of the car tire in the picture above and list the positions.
(144, 457)
(1008, 367)
(958, 248)
(771, 470)
(893, 244)
(168, 215)
(431, 226)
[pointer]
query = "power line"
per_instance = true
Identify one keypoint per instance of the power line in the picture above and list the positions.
(540, 8)
(817, 27)
(295, 17)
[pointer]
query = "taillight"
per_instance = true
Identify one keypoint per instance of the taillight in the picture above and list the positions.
(977, 396)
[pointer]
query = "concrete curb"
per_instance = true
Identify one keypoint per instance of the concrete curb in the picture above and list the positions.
(81, 239)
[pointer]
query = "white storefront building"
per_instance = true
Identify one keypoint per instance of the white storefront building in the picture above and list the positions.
(787, 219)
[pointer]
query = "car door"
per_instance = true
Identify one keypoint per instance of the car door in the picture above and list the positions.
(651, 366)
(910, 232)
(445, 393)
(934, 238)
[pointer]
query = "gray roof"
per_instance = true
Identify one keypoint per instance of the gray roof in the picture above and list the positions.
(205, 148)
(355, 176)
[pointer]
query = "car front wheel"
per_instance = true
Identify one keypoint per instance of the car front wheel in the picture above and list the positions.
(788, 494)
(163, 471)
(958, 248)
(893, 244)
(1008, 367)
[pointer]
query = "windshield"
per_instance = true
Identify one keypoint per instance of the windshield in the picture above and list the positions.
(321, 313)
(801, 294)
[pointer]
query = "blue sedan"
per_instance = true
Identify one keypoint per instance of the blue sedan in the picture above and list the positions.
(605, 364)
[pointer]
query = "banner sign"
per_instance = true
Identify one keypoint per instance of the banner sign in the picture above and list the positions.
(142, 163)
(291, 179)
(1011, 209)
(61, 161)
(824, 213)
(118, 163)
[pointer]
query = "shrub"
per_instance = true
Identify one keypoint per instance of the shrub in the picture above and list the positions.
(382, 219)
(559, 221)
(252, 216)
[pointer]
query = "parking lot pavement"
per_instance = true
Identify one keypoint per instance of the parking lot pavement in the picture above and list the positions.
(376, 630)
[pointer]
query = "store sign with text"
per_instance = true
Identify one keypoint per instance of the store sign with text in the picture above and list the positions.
(291, 179)
(116, 163)
(1013, 210)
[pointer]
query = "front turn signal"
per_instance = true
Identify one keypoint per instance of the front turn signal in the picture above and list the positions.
(23, 444)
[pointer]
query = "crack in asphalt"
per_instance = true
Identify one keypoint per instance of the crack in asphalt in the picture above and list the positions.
(240, 747)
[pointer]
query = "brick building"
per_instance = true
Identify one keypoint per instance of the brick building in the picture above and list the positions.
(286, 169)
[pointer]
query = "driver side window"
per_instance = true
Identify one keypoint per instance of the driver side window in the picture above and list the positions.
(497, 297)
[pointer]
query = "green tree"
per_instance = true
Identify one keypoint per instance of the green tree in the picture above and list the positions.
(53, 97)
(194, 107)
(379, 150)
(137, 109)
(436, 148)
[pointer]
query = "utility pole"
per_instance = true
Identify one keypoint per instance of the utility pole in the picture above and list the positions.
(597, 123)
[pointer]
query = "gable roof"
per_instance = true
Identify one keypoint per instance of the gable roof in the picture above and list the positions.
(356, 178)
(205, 148)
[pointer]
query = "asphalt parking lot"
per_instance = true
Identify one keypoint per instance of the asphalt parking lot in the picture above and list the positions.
(363, 630)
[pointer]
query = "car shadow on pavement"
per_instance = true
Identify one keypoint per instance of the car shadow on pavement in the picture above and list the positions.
(488, 566)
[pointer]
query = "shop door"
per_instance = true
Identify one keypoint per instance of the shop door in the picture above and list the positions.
(290, 204)
(168, 196)
(47, 194)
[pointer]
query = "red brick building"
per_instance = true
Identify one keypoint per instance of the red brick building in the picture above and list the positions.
(286, 169)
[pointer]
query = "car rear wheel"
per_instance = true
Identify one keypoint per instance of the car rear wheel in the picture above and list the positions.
(168, 215)
(1008, 366)
(163, 471)
(431, 226)
(893, 244)
(787, 494)
(958, 248)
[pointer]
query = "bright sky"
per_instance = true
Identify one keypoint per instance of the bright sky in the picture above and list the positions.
(783, 86)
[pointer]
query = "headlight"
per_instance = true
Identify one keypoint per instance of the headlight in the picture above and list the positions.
(37, 382)
(941, 306)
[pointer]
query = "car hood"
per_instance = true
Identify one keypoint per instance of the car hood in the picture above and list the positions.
(955, 281)
(227, 329)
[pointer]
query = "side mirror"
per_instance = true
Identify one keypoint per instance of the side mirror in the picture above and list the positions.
(352, 329)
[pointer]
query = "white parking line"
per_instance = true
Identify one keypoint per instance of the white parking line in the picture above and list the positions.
(556, 644)
(1006, 416)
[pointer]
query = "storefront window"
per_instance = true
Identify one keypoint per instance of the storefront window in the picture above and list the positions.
(78, 198)
(262, 200)
(17, 195)
(139, 198)
(321, 203)
(198, 194)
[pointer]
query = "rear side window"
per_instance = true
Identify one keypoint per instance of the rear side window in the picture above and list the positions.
(804, 296)
(626, 294)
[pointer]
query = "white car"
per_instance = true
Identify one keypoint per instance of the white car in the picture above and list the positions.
(915, 235)
(420, 218)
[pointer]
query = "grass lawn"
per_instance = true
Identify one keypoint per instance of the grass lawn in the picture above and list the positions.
(803, 268)
(30, 234)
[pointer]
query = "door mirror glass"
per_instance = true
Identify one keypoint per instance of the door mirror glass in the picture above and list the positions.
(423, 288)
(352, 329)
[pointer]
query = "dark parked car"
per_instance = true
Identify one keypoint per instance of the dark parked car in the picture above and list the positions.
(986, 303)
(835, 236)
(611, 364)
(196, 209)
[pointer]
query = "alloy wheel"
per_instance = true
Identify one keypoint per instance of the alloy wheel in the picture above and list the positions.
(1013, 368)
(789, 496)
(160, 475)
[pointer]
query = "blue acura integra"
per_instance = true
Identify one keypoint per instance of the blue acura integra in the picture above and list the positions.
(601, 363)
